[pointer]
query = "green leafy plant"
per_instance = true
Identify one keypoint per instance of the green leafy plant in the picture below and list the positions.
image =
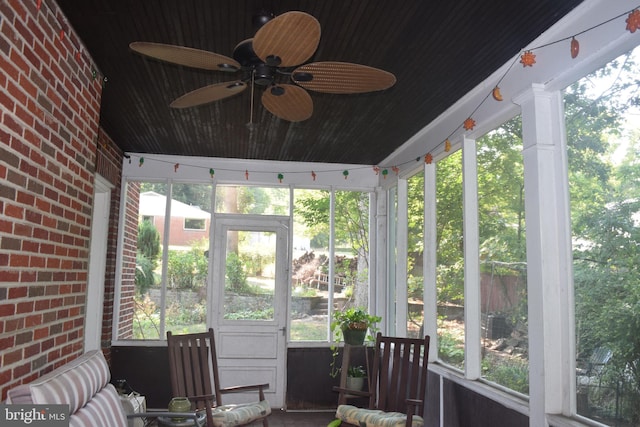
(356, 372)
(450, 349)
(350, 318)
(353, 318)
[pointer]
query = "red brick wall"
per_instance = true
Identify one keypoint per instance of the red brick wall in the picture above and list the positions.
(109, 165)
(49, 111)
(129, 250)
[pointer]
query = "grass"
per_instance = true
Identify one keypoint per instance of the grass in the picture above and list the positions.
(309, 330)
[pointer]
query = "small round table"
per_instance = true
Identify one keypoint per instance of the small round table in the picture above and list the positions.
(183, 422)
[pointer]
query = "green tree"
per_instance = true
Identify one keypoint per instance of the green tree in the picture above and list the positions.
(608, 295)
(351, 230)
(146, 256)
(501, 194)
(148, 240)
(449, 239)
(351, 218)
(605, 213)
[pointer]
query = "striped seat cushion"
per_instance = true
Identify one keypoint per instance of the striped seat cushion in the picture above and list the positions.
(241, 414)
(105, 409)
(374, 418)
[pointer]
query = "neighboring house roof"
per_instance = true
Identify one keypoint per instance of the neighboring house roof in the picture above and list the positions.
(154, 204)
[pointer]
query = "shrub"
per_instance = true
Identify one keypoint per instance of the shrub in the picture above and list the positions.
(236, 277)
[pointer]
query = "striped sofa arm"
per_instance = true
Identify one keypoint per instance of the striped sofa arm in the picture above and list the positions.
(83, 384)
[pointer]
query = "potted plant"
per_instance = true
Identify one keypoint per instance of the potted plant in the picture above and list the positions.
(355, 377)
(351, 325)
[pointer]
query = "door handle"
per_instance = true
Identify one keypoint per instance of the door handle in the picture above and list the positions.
(283, 330)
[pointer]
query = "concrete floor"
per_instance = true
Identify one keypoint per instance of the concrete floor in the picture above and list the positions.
(291, 419)
(298, 419)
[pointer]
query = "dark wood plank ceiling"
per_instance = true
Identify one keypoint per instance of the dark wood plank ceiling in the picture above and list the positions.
(438, 51)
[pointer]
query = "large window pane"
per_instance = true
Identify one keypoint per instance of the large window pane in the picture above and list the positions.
(603, 138)
(249, 286)
(172, 296)
(143, 319)
(450, 260)
(351, 231)
(310, 269)
(503, 285)
(187, 263)
(328, 273)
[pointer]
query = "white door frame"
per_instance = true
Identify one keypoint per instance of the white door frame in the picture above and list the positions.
(251, 352)
(97, 263)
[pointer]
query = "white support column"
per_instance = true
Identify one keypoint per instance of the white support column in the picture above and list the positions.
(392, 243)
(401, 260)
(378, 247)
(549, 275)
(472, 315)
(430, 260)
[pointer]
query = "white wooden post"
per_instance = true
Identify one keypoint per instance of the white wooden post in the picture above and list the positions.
(549, 266)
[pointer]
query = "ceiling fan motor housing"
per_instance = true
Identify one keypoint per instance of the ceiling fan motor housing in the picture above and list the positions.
(263, 74)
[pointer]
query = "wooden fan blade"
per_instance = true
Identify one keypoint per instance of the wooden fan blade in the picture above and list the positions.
(188, 56)
(208, 94)
(292, 37)
(342, 77)
(293, 103)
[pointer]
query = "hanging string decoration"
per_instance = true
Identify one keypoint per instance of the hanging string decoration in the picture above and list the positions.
(428, 158)
(211, 172)
(575, 47)
(385, 172)
(376, 169)
(497, 95)
(175, 167)
(63, 37)
(528, 59)
(141, 162)
(633, 21)
(345, 173)
(469, 124)
(280, 178)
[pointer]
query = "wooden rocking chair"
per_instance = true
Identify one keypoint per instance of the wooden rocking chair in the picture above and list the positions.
(397, 385)
(193, 369)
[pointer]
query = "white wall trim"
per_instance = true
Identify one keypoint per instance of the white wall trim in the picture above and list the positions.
(97, 263)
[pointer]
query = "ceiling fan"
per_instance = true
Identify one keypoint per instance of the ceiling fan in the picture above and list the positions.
(285, 41)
